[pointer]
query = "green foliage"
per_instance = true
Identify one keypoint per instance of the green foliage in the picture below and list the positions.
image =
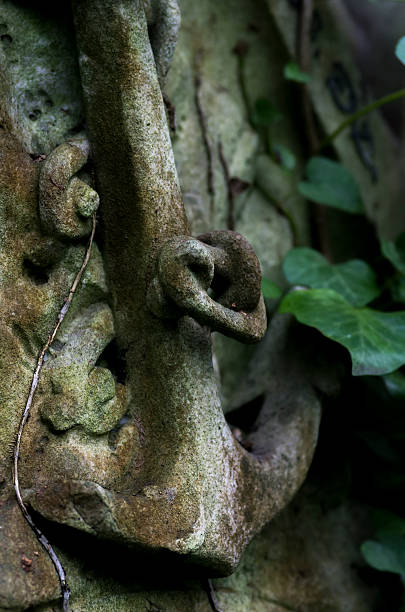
(397, 289)
(354, 280)
(400, 50)
(387, 552)
(395, 385)
(270, 289)
(387, 555)
(287, 157)
(293, 72)
(388, 523)
(329, 183)
(264, 113)
(375, 340)
(337, 295)
(395, 252)
(336, 303)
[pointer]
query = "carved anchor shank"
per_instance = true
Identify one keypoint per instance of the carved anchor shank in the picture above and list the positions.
(189, 487)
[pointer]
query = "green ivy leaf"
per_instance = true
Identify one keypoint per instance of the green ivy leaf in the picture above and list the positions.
(387, 523)
(270, 289)
(354, 280)
(395, 252)
(395, 384)
(287, 157)
(293, 72)
(375, 340)
(397, 289)
(264, 113)
(387, 555)
(331, 184)
(400, 50)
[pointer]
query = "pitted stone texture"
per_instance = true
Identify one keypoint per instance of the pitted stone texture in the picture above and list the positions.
(36, 272)
(227, 118)
(307, 559)
(79, 392)
(39, 83)
(200, 501)
(20, 586)
(163, 18)
(66, 203)
(193, 500)
(222, 262)
(96, 468)
(174, 398)
(211, 58)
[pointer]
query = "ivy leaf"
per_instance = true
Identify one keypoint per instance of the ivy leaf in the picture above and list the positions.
(375, 340)
(395, 252)
(264, 113)
(388, 555)
(387, 523)
(397, 289)
(287, 157)
(395, 385)
(400, 50)
(293, 72)
(354, 280)
(331, 184)
(270, 289)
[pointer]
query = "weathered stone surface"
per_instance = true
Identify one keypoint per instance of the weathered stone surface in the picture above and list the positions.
(35, 270)
(220, 261)
(90, 458)
(27, 576)
(201, 83)
(204, 78)
(193, 500)
(102, 476)
(305, 560)
(40, 93)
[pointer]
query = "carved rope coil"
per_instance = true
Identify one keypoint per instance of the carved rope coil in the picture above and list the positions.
(220, 262)
(66, 203)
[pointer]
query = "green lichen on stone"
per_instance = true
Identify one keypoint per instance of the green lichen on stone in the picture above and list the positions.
(75, 392)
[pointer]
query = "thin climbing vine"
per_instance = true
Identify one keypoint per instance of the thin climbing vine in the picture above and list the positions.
(65, 591)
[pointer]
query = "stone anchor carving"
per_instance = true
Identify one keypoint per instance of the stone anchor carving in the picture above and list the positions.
(187, 268)
(149, 460)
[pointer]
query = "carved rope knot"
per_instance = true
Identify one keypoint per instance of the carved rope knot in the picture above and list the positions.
(215, 279)
(66, 202)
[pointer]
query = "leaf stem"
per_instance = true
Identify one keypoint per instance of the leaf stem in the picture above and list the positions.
(361, 113)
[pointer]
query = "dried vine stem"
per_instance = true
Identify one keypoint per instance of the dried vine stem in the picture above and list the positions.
(204, 131)
(34, 384)
(304, 57)
(228, 181)
(212, 598)
(318, 213)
